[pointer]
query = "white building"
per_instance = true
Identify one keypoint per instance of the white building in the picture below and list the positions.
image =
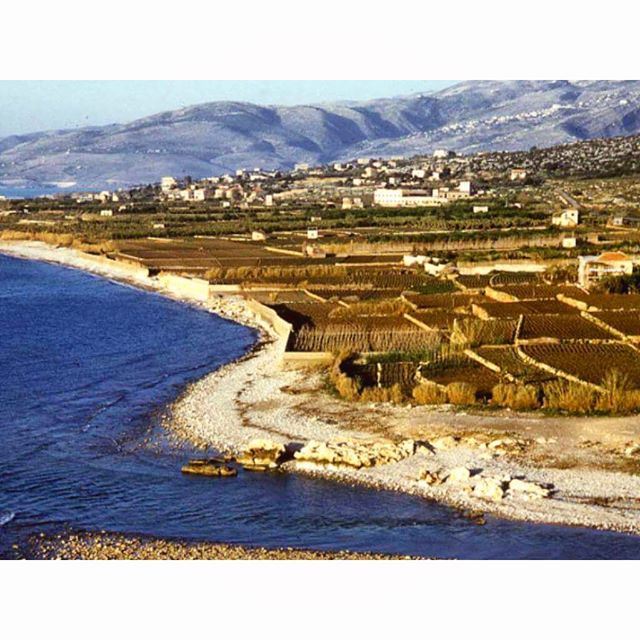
(403, 198)
(465, 187)
(478, 208)
(567, 218)
(167, 183)
(569, 243)
(591, 269)
(440, 153)
(518, 174)
(312, 233)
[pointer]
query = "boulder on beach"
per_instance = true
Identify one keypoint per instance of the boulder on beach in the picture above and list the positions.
(458, 475)
(262, 455)
(528, 489)
(355, 453)
(489, 489)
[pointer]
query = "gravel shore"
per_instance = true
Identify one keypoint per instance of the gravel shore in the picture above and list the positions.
(594, 482)
(110, 546)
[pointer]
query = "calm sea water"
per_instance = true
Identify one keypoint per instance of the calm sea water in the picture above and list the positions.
(86, 366)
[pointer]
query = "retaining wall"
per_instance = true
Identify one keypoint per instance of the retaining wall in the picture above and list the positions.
(191, 288)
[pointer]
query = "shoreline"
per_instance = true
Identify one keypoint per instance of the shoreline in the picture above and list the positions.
(116, 546)
(252, 398)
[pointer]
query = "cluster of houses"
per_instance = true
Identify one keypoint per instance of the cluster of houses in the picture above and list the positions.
(364, 182)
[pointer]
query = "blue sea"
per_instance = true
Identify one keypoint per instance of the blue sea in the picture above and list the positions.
(87, 367)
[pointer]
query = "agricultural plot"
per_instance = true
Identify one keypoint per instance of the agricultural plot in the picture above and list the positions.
(402, 373)
(300, 314)
(474, 282)
(536, 291)
(441, 300)
(437, 319)
(561, 327)
(324, 327)
(526, 307)
(283, 296)
(341, 277)
(362, 334)
(355, 295)
(510, 363)
(473, 331)
(587, 361)
(607, 301)
(627, 322)
(461, 370)
(504, 278)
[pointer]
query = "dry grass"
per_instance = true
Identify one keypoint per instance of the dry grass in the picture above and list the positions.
(569, 396)
(618, 396)
(518, 397)
(392, 394)
(461, 393)
(429, 393)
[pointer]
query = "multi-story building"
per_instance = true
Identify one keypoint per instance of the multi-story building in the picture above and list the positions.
(592, 269)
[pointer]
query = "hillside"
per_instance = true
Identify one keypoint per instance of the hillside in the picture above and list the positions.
(217, 137)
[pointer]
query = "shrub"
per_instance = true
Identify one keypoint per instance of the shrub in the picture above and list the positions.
(618, 397)
(569, 396)
(461, 393)
(518, 397)
(383, 394)
(429, 393)
(346, 386)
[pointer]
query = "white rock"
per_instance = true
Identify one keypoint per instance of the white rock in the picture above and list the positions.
(444, 443)
(530, 489)
(489, 489)
(458, 475)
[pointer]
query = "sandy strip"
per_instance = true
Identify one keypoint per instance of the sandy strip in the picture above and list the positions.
(253, 398)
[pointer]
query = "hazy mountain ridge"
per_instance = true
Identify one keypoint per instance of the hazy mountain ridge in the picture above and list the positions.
(217, 137)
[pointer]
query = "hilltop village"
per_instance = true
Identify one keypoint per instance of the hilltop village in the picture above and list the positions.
(494, 279)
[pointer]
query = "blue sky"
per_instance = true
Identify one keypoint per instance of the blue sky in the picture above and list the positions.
(27, 106)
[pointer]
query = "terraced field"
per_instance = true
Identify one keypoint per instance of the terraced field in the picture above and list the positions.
(608, 301)
(441, 319)
(526, 307)
(467, 370)
(588, 361)
(509, 362)
(627, 322)
(561, 327)
(536, 291)
(355, 294)
(442, 301)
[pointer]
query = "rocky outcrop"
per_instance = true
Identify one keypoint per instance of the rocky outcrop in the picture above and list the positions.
(355, 453)
(262, 455)
(209, 467)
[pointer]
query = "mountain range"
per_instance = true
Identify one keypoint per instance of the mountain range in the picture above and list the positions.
(218, 137)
